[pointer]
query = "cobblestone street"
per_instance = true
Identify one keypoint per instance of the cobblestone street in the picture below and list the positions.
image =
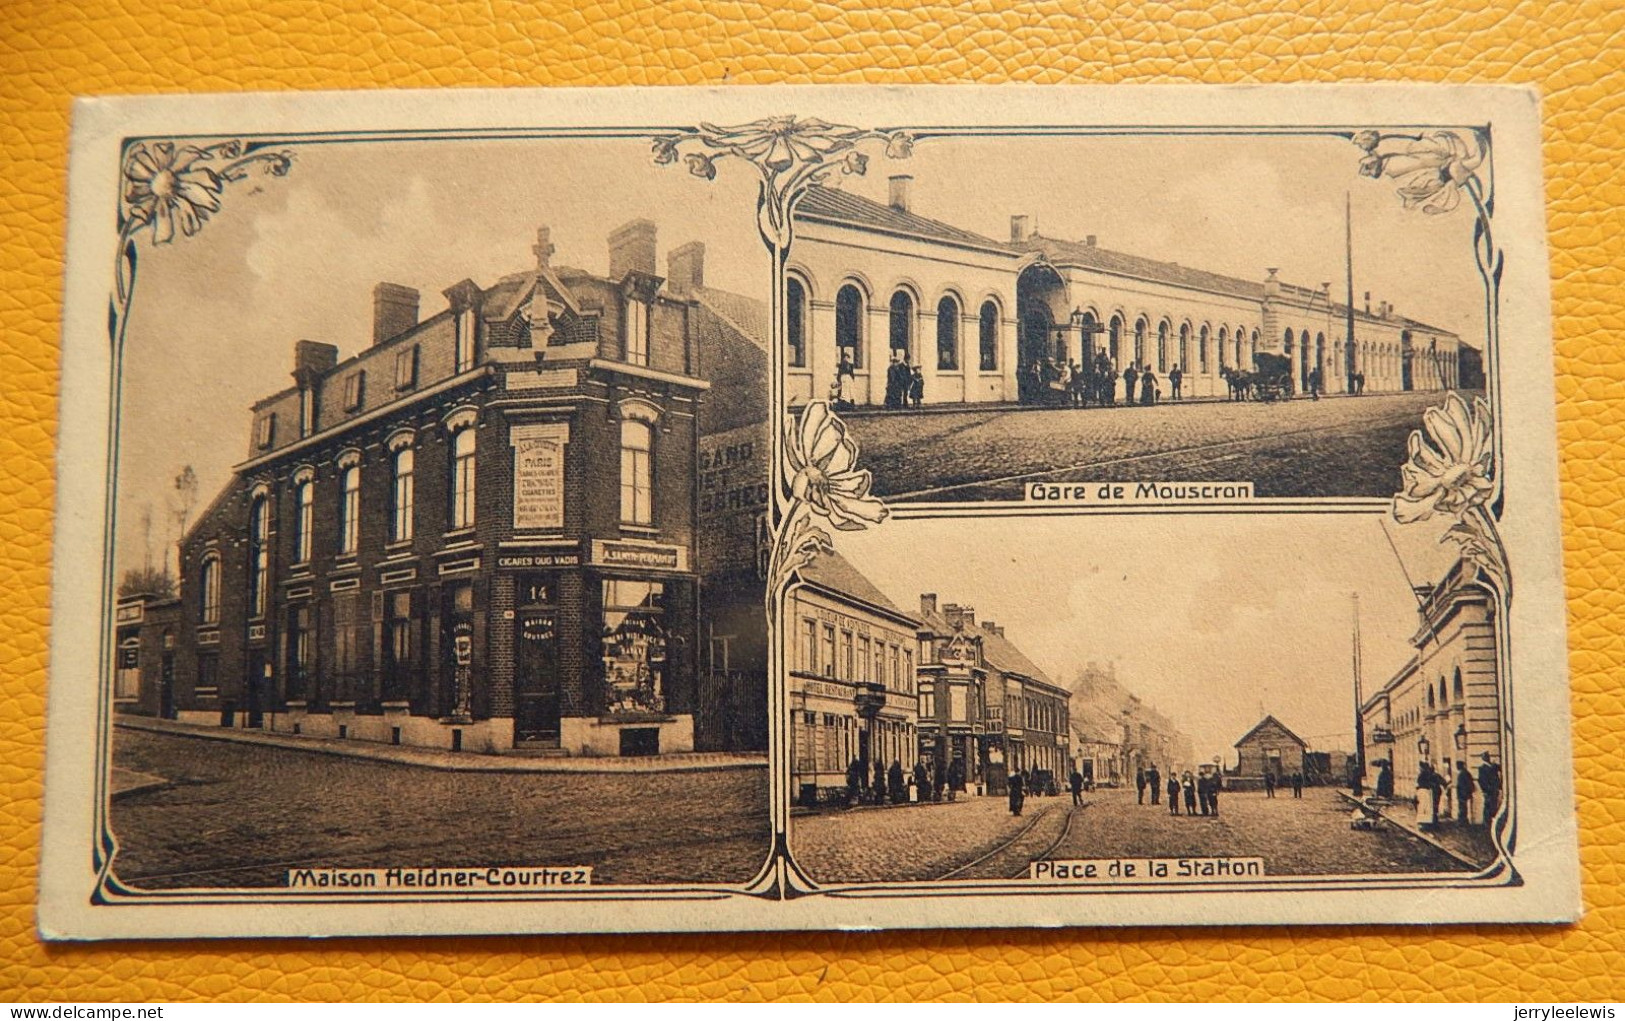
(1340, 446)
(240, 815)
(1294, 837)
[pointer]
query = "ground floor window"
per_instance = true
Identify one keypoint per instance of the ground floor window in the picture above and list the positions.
(634, 645)
(127, 682)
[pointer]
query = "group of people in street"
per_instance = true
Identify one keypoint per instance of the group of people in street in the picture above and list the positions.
(1199, 791)
(893, 785)
(1052, 381)
(1432, 786)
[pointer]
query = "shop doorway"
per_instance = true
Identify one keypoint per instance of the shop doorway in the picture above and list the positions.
(536, 681)
(257, 670)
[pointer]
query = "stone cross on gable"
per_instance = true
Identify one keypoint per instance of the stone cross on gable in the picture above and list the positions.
(543, 247)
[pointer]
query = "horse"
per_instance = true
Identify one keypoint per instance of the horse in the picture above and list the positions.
(1241, 383)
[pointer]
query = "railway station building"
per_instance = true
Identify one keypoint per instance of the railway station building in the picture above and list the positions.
(871, 281)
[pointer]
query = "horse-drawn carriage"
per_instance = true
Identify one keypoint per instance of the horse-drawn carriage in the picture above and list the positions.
(1270, 380)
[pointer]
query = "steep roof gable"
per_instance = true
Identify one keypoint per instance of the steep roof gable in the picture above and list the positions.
(1266, 721)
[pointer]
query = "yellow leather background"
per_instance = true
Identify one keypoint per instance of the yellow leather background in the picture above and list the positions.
(1575, 51)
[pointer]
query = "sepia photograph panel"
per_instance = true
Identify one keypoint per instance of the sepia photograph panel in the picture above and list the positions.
(1309, 696)
(1133, 306)
(416, 548)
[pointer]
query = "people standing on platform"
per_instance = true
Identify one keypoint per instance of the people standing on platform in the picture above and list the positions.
(1385, 780)
(896, 381)
(1176, 376)
(1269, 784)
(1190, 793)
(1429, 786)
(1078, 395)
(916, 387)
(1148, 387)
(1173, 793)
(1105, 380)
(1489, 782)
(1130, 376)
(1139, 785)
(1297, 785)
(1075, 781)
(1153, 780)
(895, 783)
(854, 782)
(1018, 792)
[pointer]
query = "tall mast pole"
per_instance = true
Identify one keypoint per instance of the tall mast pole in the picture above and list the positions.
(1358, 781)
(1349, 363)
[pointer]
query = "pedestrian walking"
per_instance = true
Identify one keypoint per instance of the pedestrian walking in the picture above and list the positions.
(1148, 387)
(854, 781)
(1269, 785)
(1018, 794)
(1203, 782)
(916, 387)
(922, 781)
(1176, 376)
(956, 778)
(1076, 783)
(1190, 793)
(1213, 793)
(1465, 789)
(1130, 376)
(1489, 782)
(1385, 780)
(1297, 785)
(1315, 383)
(1429, 786)
(1173, 793)
(895, 783)
(1153, 780)
(1139, 785)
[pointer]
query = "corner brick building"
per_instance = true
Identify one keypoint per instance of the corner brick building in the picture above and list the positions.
(478, 533)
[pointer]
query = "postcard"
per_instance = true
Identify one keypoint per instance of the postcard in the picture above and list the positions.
(803, 508)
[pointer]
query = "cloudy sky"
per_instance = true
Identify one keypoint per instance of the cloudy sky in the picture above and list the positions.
(216, 315)
(1215, 620)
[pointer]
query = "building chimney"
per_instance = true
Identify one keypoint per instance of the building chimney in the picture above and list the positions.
(928, 604)
(1019, 228)
(1090, 241)
(313, 359)
(394, 311)
(685, 267)
(632, 249)
(1368, 303)
(900, 187)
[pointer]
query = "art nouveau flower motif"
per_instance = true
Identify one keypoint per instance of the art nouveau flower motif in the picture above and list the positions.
(900, 145)
(701, 166)
(1432, 169)
(164, 187)
(778, 143)
(1449, 470)
(820, 459)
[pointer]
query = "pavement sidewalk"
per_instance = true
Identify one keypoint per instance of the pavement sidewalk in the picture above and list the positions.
(459, 762)
(1470, 847)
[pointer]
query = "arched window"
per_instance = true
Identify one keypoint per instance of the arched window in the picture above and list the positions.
(849, 324)
(400, 529)
(795, 323)
(1162, 346)
(259, 554)
(988, 336)
(209, 583)
(1253, 348)
(1241, 363)
(1115, 343)
(462, 478)
(1432, 704)
(637, 488)
(1444, 700)
(350, 509)
(304, 520)
(1185, 347)
(902, 323)
(1286, 343)
(1455, 685)
(1224, 338)
(948, 334)
(1140, 327)
(1320, 351)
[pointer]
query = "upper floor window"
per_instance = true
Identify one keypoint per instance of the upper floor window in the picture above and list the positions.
(259, 553)
(350, 510)
(400, 529)
(209, 582)
(849, 305)
(265, 430)
(462, 479)
(948, 334)
(637, 331)
(795, 314)
(463, 348)
(307, 411)
(637, 491)
(355, 389)
(304, 520)
(988, 336)
(406, 368)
